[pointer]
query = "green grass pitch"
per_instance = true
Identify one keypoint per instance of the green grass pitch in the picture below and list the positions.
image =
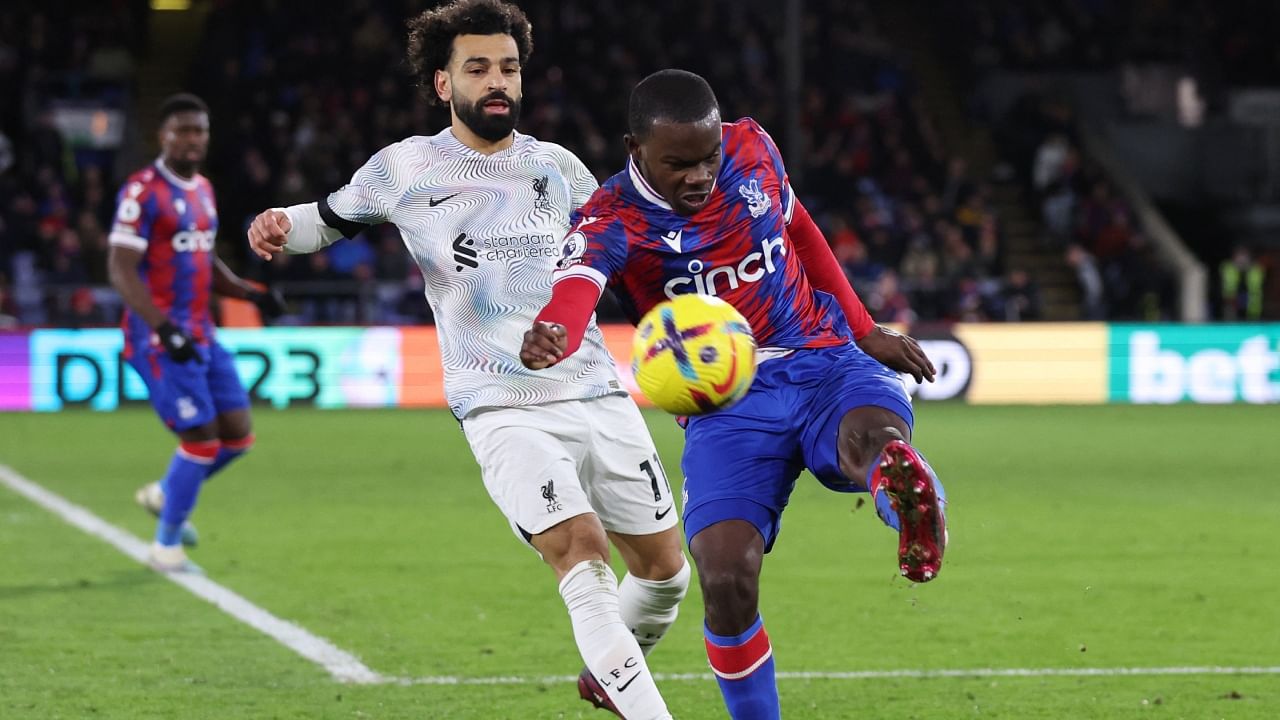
(1101, 537)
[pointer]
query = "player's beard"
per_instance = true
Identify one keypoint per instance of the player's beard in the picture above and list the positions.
(490, 127)
(185, 161)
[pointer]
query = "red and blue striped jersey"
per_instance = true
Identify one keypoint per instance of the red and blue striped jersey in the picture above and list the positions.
(735, 247)
(173, 221)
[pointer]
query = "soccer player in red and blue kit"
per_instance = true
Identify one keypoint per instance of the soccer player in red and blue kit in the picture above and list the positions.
(705, 207)
(163, 264)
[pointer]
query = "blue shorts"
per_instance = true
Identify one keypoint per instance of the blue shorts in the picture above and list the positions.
(188, 395)
(742, 463)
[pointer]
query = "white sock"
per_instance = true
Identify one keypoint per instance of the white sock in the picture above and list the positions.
(649, 607)
(590, 592)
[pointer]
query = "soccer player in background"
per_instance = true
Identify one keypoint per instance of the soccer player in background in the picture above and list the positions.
(163, 263)
(565, 454)
(704, 206)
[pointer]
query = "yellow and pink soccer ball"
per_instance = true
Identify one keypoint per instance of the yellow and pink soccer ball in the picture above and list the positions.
(693, 355)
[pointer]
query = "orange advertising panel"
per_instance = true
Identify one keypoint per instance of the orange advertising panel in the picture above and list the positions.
(422, 377)
(1040, 363)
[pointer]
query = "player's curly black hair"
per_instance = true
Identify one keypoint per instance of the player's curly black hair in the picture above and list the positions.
(431, 35)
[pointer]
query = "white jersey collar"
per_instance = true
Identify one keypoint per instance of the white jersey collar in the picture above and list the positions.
(455, 145)
(643, 187)
(174, 177)
(646, 190)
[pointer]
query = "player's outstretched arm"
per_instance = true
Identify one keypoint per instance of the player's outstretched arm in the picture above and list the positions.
(558, 330)
(296, 230)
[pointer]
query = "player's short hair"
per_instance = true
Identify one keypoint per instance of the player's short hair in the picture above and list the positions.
(431, 35)
(670, 95)
(182, 102)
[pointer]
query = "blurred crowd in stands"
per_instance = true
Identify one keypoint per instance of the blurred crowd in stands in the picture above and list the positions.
(1147, 42)
(1220, 42)
(296, 107)
(1117, 269)
(56, 201)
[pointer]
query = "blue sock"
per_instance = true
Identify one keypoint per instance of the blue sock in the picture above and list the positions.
(744, 669)
(187, 470)
(884, 508)
(230, 450)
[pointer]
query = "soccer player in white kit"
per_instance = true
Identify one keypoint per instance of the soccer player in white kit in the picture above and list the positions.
(564, 452)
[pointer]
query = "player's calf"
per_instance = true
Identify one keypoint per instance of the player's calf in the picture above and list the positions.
(187, 471)
(650, 607)
(590, 592)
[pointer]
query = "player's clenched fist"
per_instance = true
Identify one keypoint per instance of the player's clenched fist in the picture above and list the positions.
(268, 233)
(544, 345)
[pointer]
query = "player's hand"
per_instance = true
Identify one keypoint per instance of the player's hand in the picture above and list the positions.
(178, 344)
(544, 345)
(898, 352)
(268, 233)
(270, 302)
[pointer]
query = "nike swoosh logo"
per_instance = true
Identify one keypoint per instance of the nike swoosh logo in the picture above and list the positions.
(627, 684)
(659, 514)
(434, 202)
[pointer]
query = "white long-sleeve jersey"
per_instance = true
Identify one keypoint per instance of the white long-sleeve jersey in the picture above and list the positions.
(486, 231)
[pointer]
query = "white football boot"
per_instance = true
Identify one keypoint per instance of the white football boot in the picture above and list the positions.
(151, 498)
(171, 559)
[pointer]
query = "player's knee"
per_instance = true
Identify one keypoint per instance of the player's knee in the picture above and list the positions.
(659, 560)
(729, 581)
(730, 598)
(203, 433)
(239, 445)
(674, 567)
(675, 585)
(234, 425)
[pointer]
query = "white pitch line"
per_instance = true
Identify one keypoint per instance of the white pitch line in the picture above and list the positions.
(343, 666)
(873, 675)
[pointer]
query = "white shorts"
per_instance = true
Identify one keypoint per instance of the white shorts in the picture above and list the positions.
(543, 464)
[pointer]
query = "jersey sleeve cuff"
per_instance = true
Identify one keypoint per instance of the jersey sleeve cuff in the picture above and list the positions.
(348, 228)
(308, 232)
(129, 240)
(582, 271)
